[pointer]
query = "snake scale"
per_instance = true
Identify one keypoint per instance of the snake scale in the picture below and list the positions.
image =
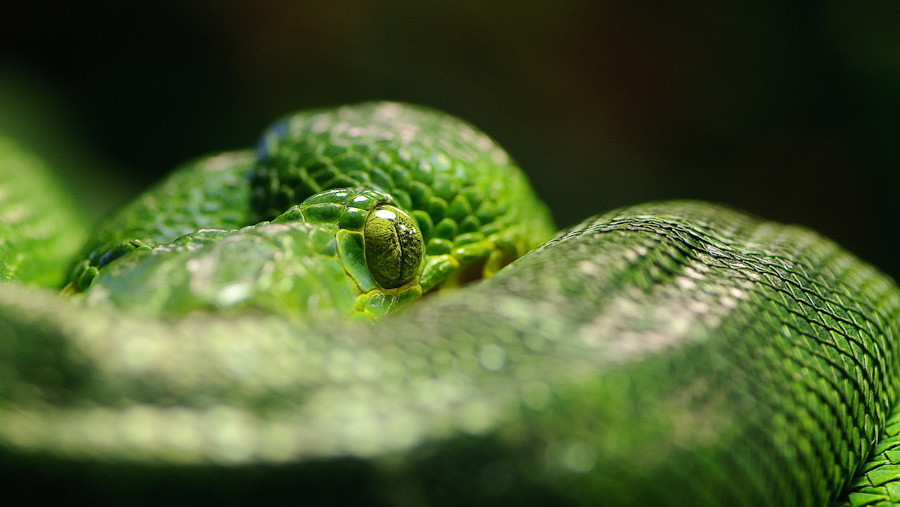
(349, 315)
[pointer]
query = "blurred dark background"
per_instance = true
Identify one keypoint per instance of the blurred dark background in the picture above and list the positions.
(786, 109)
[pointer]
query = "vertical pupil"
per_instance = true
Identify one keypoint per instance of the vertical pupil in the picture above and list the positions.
(393, 245)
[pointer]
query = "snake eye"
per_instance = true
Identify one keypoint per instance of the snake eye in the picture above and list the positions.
(394, 245)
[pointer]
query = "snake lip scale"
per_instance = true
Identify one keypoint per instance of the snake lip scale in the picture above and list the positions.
(373, 307)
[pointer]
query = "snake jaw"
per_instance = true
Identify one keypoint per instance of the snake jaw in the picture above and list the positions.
(380, 302)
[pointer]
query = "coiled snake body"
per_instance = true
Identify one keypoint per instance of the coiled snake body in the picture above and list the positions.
(280, 325)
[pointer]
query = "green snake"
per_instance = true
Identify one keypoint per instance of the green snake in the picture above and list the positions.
(369, 309)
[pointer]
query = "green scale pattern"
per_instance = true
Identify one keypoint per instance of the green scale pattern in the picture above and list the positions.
(665, 354)
(263, 268)
(41, 224)
(475, 209)
(210, 192)
(877, 484)
(309, 263)
(467, 195)
(750, 372)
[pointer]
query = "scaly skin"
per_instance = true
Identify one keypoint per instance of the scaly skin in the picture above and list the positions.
(666, 354)
(41, 224)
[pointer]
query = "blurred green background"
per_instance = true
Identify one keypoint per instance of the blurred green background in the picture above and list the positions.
(788, 110)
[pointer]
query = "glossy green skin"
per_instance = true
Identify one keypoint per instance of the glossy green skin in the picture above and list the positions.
(41, 224)
(474, 208)
(667, 354)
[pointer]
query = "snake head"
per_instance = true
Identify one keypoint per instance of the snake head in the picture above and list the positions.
(381, 201)
(380, 245)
